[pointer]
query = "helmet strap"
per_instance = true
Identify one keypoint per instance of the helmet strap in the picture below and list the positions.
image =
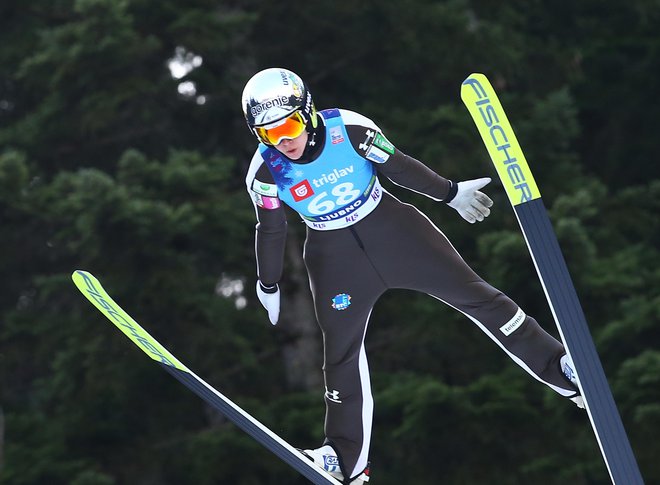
(314, 120)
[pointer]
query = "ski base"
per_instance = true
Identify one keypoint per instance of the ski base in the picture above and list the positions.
(94, 292)
(523, 193)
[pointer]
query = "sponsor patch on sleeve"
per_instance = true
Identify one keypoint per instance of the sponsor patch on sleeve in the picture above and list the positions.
(377, 155)
(263, 188)
(381, 142)
(266, 202)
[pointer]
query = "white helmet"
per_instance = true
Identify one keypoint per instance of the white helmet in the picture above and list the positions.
(274, 94)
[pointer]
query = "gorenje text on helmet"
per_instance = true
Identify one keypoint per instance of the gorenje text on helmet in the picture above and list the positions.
(279, 101)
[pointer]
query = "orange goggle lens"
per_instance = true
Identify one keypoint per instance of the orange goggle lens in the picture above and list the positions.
(290, 127)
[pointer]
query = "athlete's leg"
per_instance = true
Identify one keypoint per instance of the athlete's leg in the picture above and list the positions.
(345, 287)
(426, 261)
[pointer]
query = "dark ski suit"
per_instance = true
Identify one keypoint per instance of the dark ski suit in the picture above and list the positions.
(362, 241)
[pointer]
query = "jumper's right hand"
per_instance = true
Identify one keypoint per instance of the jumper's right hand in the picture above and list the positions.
(270, 299)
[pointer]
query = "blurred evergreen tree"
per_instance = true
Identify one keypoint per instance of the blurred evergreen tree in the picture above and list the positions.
(123, 151)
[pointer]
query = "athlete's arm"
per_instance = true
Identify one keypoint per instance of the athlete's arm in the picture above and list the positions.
(412, 174)
(271, 228)
(400, 168)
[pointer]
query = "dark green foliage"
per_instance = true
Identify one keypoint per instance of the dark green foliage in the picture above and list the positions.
(106, 165)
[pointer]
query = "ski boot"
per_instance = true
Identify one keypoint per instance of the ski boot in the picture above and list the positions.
(326, 458)
(567, 369)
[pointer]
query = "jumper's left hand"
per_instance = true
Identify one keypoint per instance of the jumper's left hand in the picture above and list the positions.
(472, 204)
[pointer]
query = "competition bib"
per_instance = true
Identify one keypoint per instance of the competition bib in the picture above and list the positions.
(335, 190)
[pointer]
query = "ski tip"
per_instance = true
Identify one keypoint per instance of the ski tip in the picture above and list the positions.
(475, 76)
(79, 272)
(92, 289)
(83, 279)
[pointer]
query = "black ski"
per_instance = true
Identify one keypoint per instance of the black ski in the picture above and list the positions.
(92, 289)
(507, 156)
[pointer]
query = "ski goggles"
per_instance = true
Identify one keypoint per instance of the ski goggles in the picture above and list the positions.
(288, 128)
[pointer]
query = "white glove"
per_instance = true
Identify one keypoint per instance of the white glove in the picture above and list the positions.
(270, 299)
(470, 203)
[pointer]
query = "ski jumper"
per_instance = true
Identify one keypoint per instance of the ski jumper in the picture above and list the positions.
(362, 241)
